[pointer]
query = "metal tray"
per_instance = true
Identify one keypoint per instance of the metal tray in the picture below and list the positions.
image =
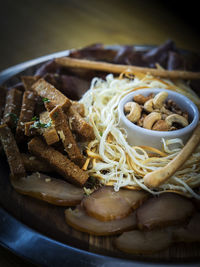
(42, 250)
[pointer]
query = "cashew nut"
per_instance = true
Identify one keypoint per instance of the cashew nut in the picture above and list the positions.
(160, 125)
(141, 99)
(159, 99)
(150, 119)
(176, 118)
(148, 105)
(134, 110)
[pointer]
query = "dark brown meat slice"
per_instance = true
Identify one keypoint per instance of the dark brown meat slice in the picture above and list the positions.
(167, 209)
(51, 190)
(80, 221)
(147, 242)
(189, 233)
(105, 204)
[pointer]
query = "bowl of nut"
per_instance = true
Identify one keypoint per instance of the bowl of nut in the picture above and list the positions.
(148, 115)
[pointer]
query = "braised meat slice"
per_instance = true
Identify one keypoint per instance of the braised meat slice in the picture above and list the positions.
(79, 220)
(105, 204)
(167, 209)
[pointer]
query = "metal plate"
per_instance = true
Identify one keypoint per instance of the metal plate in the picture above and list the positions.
(40, 249)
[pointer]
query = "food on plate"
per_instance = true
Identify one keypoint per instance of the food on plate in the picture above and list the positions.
(49, 189)
(79, 220)
(49, 133)
(147, 242)
(33, 164)
(12, 107)
(154, 112)
(26, 113)
(176, 209)
(159, 176)
(68, 149)
(144, 242)
(114, 68)
(69, 143)
(59, 162)
(105, 204)
(11, 150)
(48, 91)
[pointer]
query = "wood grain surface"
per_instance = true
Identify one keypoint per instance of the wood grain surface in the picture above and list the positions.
(31, 29)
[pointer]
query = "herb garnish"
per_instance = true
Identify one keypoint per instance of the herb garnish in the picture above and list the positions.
(38, 124)
(45, 100)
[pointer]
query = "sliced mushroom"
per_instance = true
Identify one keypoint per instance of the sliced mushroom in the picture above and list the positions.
(148, 106)
(105, 204)
(147, 242)
(150, 119)
(159, 99)
(79, 220)
(134, 110)
(167, 209)
(51, 190)
(176, 118)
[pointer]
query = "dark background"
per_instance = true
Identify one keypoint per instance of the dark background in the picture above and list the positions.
(32, 28)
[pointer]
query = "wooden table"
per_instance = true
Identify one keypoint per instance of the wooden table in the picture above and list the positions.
(31, 29)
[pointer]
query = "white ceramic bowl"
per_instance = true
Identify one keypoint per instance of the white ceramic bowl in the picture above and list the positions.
(137, 135)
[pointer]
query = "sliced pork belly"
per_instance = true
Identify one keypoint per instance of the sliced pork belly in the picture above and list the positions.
(189, 233)
(143, 242)
(79, 220)
(105, 204)
(54, 191)
(167, 209)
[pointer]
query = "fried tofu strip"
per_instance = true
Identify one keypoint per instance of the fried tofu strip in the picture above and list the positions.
(50, 134)
(10, 147)
(2, 100)
(28, 81)
(33, 164)
(79, 125)
(26, 113)
(59, 120)
(58, 161)
(28, 130)
(12, 107)
(46, 90)
(79, 107)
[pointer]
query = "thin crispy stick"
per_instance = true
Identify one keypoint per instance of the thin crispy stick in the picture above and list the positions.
(158, 177)
(116, 68)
